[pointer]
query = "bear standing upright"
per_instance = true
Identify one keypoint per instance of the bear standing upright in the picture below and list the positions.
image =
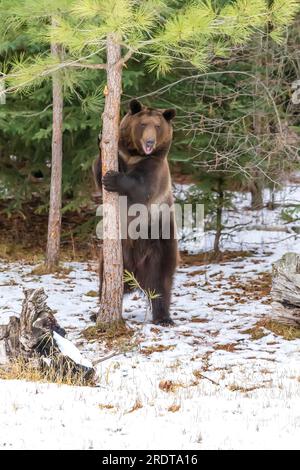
(144, 177)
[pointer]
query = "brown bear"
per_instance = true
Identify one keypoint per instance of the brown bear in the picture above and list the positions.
(144, 177)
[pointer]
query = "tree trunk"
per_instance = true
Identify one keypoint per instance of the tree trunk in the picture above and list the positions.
(220, 204)
(256, 190)
(271, 205)
(112, 281)
(261, 129)
(257, 183)
(54, 222)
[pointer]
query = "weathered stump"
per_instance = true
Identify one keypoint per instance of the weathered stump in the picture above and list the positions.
(286, 290)
(36, 336)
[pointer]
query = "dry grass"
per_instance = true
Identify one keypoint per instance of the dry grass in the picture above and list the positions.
(115, 336)
(157, 348)
(287, 332)
(92, 293)
(199, 320)
(258, 288)
(32, 371)
(240, 388)
(211, 257)
(258, 331)
(173, 408)
(17, 252)
(230, 347)
(23, 233)
(169, 385)
(255, 333)
(59, 271)
(198, 272)
(33, 254)
(106, 406)
(137, 406)
(199, 376)
(206, 361)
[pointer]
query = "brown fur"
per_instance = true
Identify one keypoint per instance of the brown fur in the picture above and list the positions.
(144, 177)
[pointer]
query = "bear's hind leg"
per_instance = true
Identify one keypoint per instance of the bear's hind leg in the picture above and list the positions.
(156, 275)
(161, 304)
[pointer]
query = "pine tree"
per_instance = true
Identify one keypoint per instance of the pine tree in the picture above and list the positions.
(49, 63)
(112, 274)
(54, 224)
(18, 14)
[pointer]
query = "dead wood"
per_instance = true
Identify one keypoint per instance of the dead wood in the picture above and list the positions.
(36, 336)
(286, 289)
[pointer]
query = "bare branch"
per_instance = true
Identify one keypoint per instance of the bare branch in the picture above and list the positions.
(86, 65)
(126, 57)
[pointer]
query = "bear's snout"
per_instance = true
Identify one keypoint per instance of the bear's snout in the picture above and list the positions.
(149, 146)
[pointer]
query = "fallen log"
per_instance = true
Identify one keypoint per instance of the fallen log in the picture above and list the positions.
(286, 290)
(292, 229)
(37, 337)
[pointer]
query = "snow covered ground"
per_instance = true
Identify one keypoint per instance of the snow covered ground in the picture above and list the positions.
(207, 383)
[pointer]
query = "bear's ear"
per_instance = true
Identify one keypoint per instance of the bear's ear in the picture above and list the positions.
(135, 106)
(169, 114)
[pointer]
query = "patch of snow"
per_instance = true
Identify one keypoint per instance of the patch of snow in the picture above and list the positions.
(68, 349)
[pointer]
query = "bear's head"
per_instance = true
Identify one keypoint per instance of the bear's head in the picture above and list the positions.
(145, 130)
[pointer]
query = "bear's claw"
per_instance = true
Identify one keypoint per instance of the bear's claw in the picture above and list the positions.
(110, 181)
(164, 322)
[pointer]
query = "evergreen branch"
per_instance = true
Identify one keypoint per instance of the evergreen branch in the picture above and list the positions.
(22, 72)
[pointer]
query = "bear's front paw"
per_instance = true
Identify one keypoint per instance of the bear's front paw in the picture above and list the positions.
(110, 181)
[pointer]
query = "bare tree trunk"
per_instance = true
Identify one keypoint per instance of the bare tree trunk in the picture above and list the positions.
(220, 204)
(261, 129)
(257, 183)
(256, 190)
(54, 223)
(112, 281)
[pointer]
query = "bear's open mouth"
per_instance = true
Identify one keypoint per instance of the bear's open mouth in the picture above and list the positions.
(148, 148)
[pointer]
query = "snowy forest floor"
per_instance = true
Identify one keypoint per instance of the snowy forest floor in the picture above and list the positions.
(222, 378)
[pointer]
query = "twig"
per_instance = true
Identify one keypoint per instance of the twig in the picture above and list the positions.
(106, 358)
(86, 66)
(207, 378)
(294, 235)
(227, 72)
(126, 57)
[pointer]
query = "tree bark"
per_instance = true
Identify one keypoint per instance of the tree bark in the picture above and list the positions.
(112, 280)
(261, 129)
(54, 222)
(257, 183)
(220, 204)
(256, 190)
